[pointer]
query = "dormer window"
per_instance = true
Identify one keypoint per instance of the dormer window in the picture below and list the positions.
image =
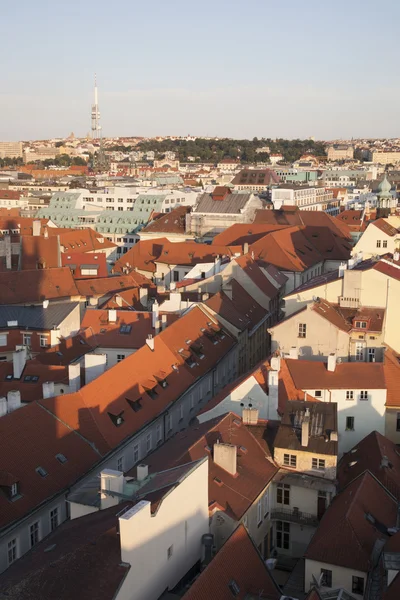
(361, 324)
(118, 420)
(14, 490)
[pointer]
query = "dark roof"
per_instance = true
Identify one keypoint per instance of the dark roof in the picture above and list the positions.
(323, 421)
(231, 204)
(256, 177)
(81, 559)
(20, 287)
(172, 222)
(238, 563)
(36, 317)
(356, 519)
(236, 306)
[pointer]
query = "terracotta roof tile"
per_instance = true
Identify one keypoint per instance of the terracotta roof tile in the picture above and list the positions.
(345, 537)
(351, 375)
(172, 222)
(241, 309)
(392, 376)
(254, 272)
(76, 260)
(130, 330)
(37, 250)
(237, 562)
(17, 287)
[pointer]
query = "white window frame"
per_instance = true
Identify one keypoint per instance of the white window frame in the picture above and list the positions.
(302, 330)
(12, 546)
(54, 517)
(136, 451)
(33, 530)
(149, 442)
(158, 432)
(120, 464)
(43, 340)
(259, 512)
(349, 395)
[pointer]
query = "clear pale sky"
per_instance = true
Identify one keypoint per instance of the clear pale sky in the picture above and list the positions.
(294, 68)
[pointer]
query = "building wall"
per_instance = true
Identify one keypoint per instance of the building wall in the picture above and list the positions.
(146, 538)
(330, 292)
(341, 576)
(113, 354)
(372, 241)
(304, 464)
(391, 431)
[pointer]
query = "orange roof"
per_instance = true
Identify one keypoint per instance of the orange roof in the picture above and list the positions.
(37, 250)
(17, 287)
(240, 233)
(385, 227)
(241, 310)
(31, 390)
(237, 562)
(116, 391)
(391, 368)
(81, 240)
(172, 222)
(76, 261)
(345, 537)
(253, 271)
(100, 286)
(130, 330)
(23, 224)
(312, 375)
(43, 438)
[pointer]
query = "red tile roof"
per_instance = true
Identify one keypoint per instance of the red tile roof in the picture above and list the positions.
(172, 222)
(67, 351)
(254, 272)
(385, 227)
(369, 455)
(18, 287)
(37, 250)
(238, 561)
(43, 438)
(345, 537)
(242, 233)
(101, 286)
(254, 468)
(344, 318)
(31, 390)
(237, 307)
(129, 381)
(314, 375)
(130, 330)
(76, 260)
(391, 368)
(81, 240)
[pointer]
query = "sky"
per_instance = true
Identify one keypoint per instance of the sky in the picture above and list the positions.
(227, 68)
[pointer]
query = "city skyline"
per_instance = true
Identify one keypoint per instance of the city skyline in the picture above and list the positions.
(262, 71)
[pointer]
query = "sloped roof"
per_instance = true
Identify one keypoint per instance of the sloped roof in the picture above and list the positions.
(242, 310)
(254, 272)
(93, 409)
(31, 389)
(77, 261)
(104, 285)
(314, 375)
(37, 249)
(172, 222)
(391, 368)
(254, 468)
(345, 537)
(238, 561)
(130, 330)
(17, 287)
(241, 233)
(35, 317)
(231, 204)
(43, 438)
(368, 454)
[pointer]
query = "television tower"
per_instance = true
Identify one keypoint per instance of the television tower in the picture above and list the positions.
(96, 127)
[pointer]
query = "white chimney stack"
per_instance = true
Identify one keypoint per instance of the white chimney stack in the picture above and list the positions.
(225, 456)
(112, 315)
(36, 225)
(111, 481)
(143, 295)
(3, 406)
(273, 395)
(45, 303)
(276, 363)
(48, 389)
(293, 353)
(74, 377)
(19, 361)
(305, 429)
(332, 362)
(118, 300)
(150, 342)
(142, 471)
(14, 400)
(250, 416)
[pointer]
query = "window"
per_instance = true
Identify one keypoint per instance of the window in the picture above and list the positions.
(191, 400)
(181, 412)
(349, 395)
(266, 504)
(158, 433)
(170, 552)
(120, 464)
(120, 357)
(364, 395)
(148, 442)
(378, 243)
(43, 341)
(349, 423)
(384, 244)
(176, 276)
(318, 463)
(290, 460)
(34, 533)
(3, 339)
(361, 324)
(14, 490)
(318, 393)
(371, 354)
(54, 519)
(169, 423)
(26, 339)
(135, 453)
(12, 551)
(327, 578)
(398, 422)
(283, 493)
(359, 351)
(302, 330)
(283, 535)
(357, 586)
(259, 513)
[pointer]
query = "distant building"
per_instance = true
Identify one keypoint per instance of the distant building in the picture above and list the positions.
(10, 149)
(384, 157)
(255, 180)
(305, 198)
(340, 152)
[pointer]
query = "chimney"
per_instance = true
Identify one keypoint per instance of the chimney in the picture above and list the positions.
(74, 377)
(276, 363)
(273, 395)
(3, 406)
(245, 248)
(172, 286)
(112, 315)
(333, 437)
(155, 316)
(305, 429)
(19, 360)
(293, 353)
(14, 400)
(331, 362)
(225, 456)
(150, 342)
(396, 256)
(163, 322)
(250, 416)
(142, 471)
(46, 232)
(36, 225)
(45, 303)
(110, 481)
(8, 251)
(118, 300)
(143, 295)
(205, 296)
(48, 389)
(94, 365)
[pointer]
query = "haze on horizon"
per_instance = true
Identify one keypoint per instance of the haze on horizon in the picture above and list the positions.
(217, 68)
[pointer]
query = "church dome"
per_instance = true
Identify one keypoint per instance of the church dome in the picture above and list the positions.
(385, 186)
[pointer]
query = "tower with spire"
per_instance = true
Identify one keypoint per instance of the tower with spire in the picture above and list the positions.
(96, 127)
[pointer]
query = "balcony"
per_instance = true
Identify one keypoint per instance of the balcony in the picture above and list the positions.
(294, 515)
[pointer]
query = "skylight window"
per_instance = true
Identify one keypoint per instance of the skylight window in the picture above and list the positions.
(41, 471)
(125, 329)
(61, 458)
(136, 405)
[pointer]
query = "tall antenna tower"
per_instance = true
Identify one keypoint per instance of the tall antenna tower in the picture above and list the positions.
(96, 127)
